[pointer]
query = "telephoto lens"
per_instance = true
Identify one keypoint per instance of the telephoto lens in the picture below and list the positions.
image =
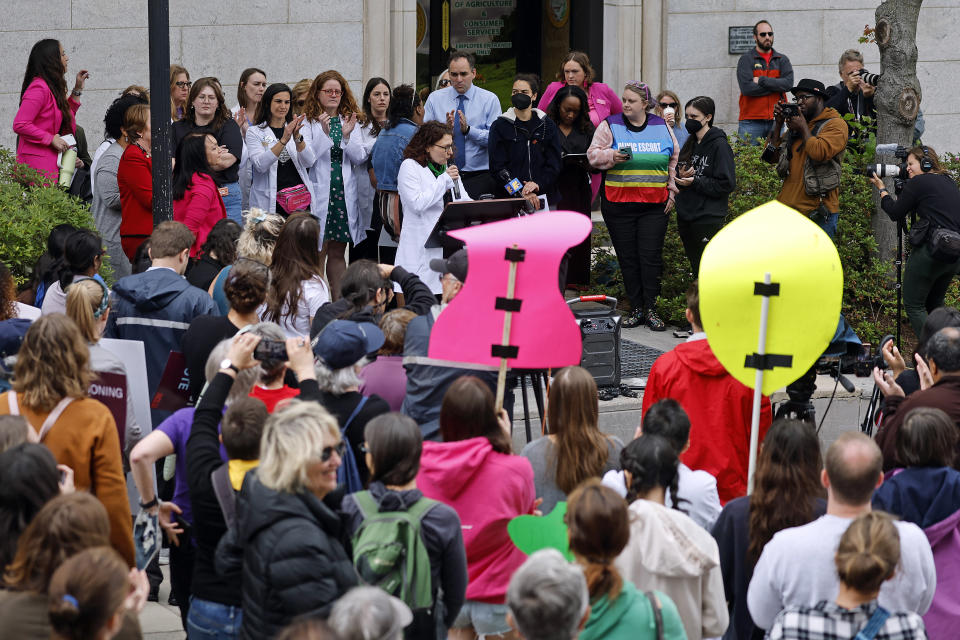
(872, 79)
(882, 170)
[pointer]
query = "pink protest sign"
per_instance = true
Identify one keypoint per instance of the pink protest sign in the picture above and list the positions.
(544, 331)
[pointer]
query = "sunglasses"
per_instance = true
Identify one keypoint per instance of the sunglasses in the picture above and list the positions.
(667, 105)
(327, 453)
(764, 34)
(183, 85)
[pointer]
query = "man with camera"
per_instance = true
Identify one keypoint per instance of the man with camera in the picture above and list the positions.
(764, 75)
(809, 157)
(853, 94)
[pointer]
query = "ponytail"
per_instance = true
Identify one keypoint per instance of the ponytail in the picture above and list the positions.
(869, 552)
(87, 301)
(599, 529)
(652, 462)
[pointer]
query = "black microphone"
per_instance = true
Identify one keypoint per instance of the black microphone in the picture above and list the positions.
(456, 188)
(511, 185)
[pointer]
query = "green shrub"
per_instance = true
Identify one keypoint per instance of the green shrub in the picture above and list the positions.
(29, 208)
(869, 295)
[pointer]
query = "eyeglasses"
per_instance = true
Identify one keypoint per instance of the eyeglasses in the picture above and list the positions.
(448, 148)
(764, 34)
(327, 453)
(332, 92)
(668, 105)
(804, 97)
(300, 103)
(182, 84)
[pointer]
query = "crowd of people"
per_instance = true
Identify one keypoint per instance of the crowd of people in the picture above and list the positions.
(316, 474)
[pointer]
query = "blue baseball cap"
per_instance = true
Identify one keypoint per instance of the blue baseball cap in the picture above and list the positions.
(343, 342)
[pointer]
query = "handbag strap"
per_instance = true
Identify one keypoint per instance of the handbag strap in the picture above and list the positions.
(873, 626)
(657, 612)
(48, 423)
(356, 410)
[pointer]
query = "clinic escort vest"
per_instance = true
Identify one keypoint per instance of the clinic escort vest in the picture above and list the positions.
(642, 178)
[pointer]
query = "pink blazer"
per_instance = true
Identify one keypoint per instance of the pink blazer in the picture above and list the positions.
(602, 99)
(200, 208)
(38, 119)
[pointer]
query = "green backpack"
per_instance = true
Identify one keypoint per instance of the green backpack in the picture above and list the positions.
(389, 553)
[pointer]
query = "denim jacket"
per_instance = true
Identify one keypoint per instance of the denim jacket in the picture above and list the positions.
(387, 153)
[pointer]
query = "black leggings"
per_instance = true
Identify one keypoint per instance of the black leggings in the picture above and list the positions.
(637, 231)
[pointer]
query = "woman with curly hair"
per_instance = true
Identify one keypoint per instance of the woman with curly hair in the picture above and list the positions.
(424, 183)
(331, 130)
(574, 449)
(787, 493)
(667, 550)
(217, 251)
(297, 288)
(256, 242)
(52, 376)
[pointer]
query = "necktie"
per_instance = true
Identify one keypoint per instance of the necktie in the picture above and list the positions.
(459, 141)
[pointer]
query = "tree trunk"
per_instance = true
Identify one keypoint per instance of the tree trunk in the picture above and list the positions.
(897, 98)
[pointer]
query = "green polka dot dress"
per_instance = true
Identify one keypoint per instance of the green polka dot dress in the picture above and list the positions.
(337, 228)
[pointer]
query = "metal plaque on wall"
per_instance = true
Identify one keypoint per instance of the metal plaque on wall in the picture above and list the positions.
(740, 39)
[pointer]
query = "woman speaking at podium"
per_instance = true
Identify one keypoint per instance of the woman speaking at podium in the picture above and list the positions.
(426, 184)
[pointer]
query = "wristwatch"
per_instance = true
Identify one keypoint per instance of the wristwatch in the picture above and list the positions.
(77, 93)
(226, 363)
(151, 504)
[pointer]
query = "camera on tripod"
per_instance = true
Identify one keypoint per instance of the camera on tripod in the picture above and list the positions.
(896, 171)
(872, 79)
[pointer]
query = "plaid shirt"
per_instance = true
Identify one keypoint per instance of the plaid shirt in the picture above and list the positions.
(828, 621)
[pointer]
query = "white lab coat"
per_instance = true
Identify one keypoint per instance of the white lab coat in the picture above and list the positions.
(421, 195)
(244, 175)
(365, 190)
(353, 153)
(263, 162)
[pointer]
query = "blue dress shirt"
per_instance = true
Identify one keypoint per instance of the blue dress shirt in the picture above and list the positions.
(481, 108)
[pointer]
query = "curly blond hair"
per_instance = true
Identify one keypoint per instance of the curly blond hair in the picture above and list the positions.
(52, 364)
(259, 235)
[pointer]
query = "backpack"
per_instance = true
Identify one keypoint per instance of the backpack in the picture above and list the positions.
(389, 553)
(348, 473)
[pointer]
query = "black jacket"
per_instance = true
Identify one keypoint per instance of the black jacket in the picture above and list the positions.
(416, 294)
(203, 458)
(288, 555)
(715, 180)
(526, 155)
(845, 102)
(441, 534)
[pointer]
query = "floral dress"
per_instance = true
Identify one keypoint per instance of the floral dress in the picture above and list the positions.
(337, 228)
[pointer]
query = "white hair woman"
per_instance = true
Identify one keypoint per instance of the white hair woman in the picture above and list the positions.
(286, 547)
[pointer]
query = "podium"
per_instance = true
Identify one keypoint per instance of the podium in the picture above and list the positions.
(468, 213)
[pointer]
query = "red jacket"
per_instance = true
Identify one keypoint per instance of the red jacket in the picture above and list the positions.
(719, 407)
(757, 98)
(200, 208)
(135, 179)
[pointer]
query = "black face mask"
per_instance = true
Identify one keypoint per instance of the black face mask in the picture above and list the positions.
(692, 126)
(520, 101)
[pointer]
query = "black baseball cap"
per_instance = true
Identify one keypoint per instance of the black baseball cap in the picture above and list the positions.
(456, 265)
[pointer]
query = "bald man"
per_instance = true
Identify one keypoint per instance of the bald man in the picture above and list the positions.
(797, 565)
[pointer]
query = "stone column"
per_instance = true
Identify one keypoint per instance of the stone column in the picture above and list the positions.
(389, 39)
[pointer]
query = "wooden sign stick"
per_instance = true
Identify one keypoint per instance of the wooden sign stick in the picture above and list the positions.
(505, 341)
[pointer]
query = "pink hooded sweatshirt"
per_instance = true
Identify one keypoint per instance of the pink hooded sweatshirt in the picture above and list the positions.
(487, 489)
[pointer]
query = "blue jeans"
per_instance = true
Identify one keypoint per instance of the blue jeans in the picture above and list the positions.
(232, 202)
(830, 225)
(756, 129)
(213, 620)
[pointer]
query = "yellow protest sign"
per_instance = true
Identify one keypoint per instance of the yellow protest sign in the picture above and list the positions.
(804, 295)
